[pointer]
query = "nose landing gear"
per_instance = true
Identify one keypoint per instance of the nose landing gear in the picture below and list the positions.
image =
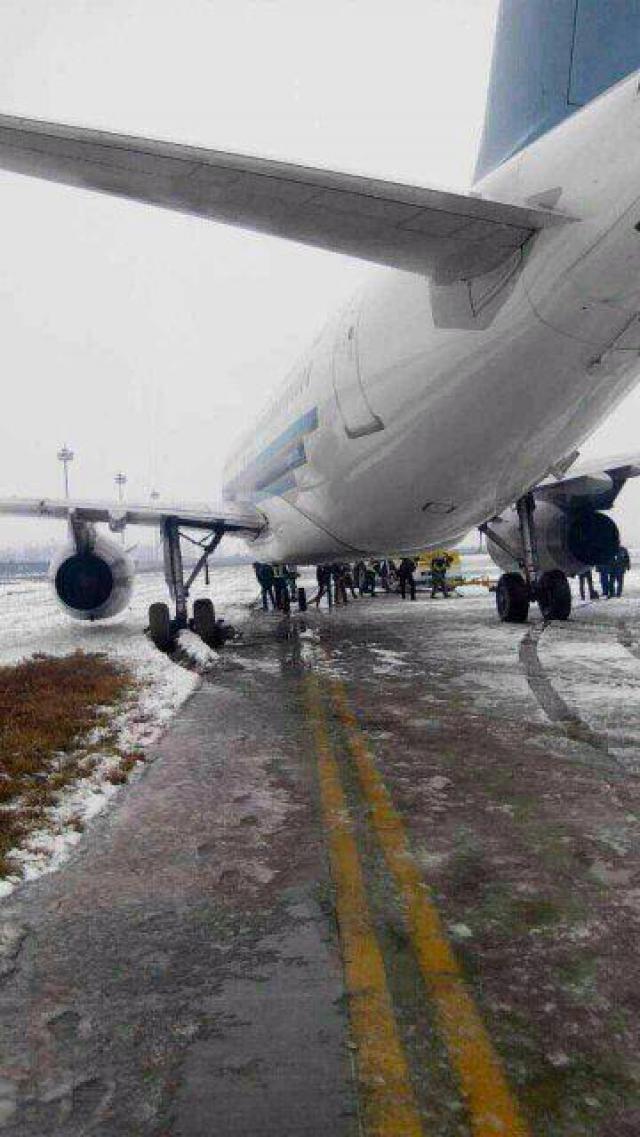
(162, 627)
(516, 590)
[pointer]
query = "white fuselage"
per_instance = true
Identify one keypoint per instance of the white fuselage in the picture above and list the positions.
(422, 410)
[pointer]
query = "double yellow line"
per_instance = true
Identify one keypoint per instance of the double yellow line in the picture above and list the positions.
(389, 1102)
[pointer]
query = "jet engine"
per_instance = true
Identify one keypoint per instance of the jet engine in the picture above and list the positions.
(571, 539)
(92, 578)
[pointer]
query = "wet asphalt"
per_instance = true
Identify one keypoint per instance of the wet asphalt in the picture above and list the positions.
(183, 975)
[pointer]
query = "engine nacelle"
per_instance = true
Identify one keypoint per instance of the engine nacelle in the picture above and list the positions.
(571, 539)
(94, 582)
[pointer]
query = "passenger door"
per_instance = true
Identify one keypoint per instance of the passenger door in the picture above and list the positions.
(357, 416)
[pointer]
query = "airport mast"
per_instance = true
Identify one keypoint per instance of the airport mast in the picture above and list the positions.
(121, 481)
(154, 495)
(65, 455)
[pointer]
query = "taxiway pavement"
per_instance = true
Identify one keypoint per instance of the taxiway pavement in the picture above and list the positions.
(382, 877)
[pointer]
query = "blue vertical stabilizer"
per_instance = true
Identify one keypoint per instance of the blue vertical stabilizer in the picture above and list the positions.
(550, 58)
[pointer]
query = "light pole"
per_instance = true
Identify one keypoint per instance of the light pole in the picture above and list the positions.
(65, 455)
(155, 496)
(121, 481)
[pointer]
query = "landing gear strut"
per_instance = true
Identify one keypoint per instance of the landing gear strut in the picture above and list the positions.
(516, 590)
(162, 627)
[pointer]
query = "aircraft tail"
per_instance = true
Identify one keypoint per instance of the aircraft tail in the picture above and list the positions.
(551, 57)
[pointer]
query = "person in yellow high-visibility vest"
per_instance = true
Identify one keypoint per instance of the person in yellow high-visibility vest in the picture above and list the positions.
(439, 566)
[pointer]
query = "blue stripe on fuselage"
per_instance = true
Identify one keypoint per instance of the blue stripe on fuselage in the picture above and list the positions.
(270, 472)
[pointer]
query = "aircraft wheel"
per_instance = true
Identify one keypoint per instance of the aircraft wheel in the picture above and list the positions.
(554, 595)
(302, 599)
(512, 598)
(204, 621)
(160, 628)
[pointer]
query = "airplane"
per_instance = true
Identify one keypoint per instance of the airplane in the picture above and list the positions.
(456, 388)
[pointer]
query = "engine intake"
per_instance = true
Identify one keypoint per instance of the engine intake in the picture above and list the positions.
(571, 540)
(94, 582)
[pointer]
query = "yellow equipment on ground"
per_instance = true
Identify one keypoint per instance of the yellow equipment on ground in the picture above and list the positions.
(424, 559)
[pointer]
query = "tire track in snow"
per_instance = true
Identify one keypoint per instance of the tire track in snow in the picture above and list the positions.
(553, 705)
(626, 639)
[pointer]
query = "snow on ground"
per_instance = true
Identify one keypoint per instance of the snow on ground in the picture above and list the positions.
(389, 662)
(596, 674)
(31, 621)
(196, 650)
(591, 668)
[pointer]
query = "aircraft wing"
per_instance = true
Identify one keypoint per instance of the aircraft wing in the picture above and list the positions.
(596, 483)
(448, 236)
(243, 520)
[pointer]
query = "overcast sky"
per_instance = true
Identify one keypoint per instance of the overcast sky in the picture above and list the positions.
(145, 339)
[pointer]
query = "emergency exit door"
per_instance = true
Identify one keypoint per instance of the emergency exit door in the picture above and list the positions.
(357, 416)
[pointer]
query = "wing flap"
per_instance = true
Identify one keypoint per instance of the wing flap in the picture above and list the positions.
(447, 235)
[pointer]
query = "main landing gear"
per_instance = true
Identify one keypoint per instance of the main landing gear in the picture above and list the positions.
(162, 626)
(516, 590)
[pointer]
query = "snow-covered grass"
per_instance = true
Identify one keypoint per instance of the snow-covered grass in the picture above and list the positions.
(54, 728)
(31, 622)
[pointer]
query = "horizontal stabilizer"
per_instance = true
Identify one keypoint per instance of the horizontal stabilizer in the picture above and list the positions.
(243, 520)
(445, 235)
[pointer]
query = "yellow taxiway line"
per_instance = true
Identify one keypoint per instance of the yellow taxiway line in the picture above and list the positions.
(493, 1110)
(388, 1102)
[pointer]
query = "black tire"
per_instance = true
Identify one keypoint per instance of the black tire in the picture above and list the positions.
(204, 621)
(512, 599)
(554, 595)
(160, 628)
(302, 599)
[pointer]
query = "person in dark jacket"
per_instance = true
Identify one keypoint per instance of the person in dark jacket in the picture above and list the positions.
(280, 588)
(291, 577)
(604, 572)
(619, 566)
(359, 573)
(405, 575)
(339, 585)
(323, 576)
(264, 575)
(586, 584)
(347, 577)
(384, 575)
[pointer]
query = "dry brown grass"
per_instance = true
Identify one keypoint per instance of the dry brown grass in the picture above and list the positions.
(48, 706)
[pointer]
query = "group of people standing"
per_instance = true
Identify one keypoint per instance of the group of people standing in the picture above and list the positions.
(277, 585)
(363, 577)
(338, 581)
(440, 564)
(334, 582)
(611, 577)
